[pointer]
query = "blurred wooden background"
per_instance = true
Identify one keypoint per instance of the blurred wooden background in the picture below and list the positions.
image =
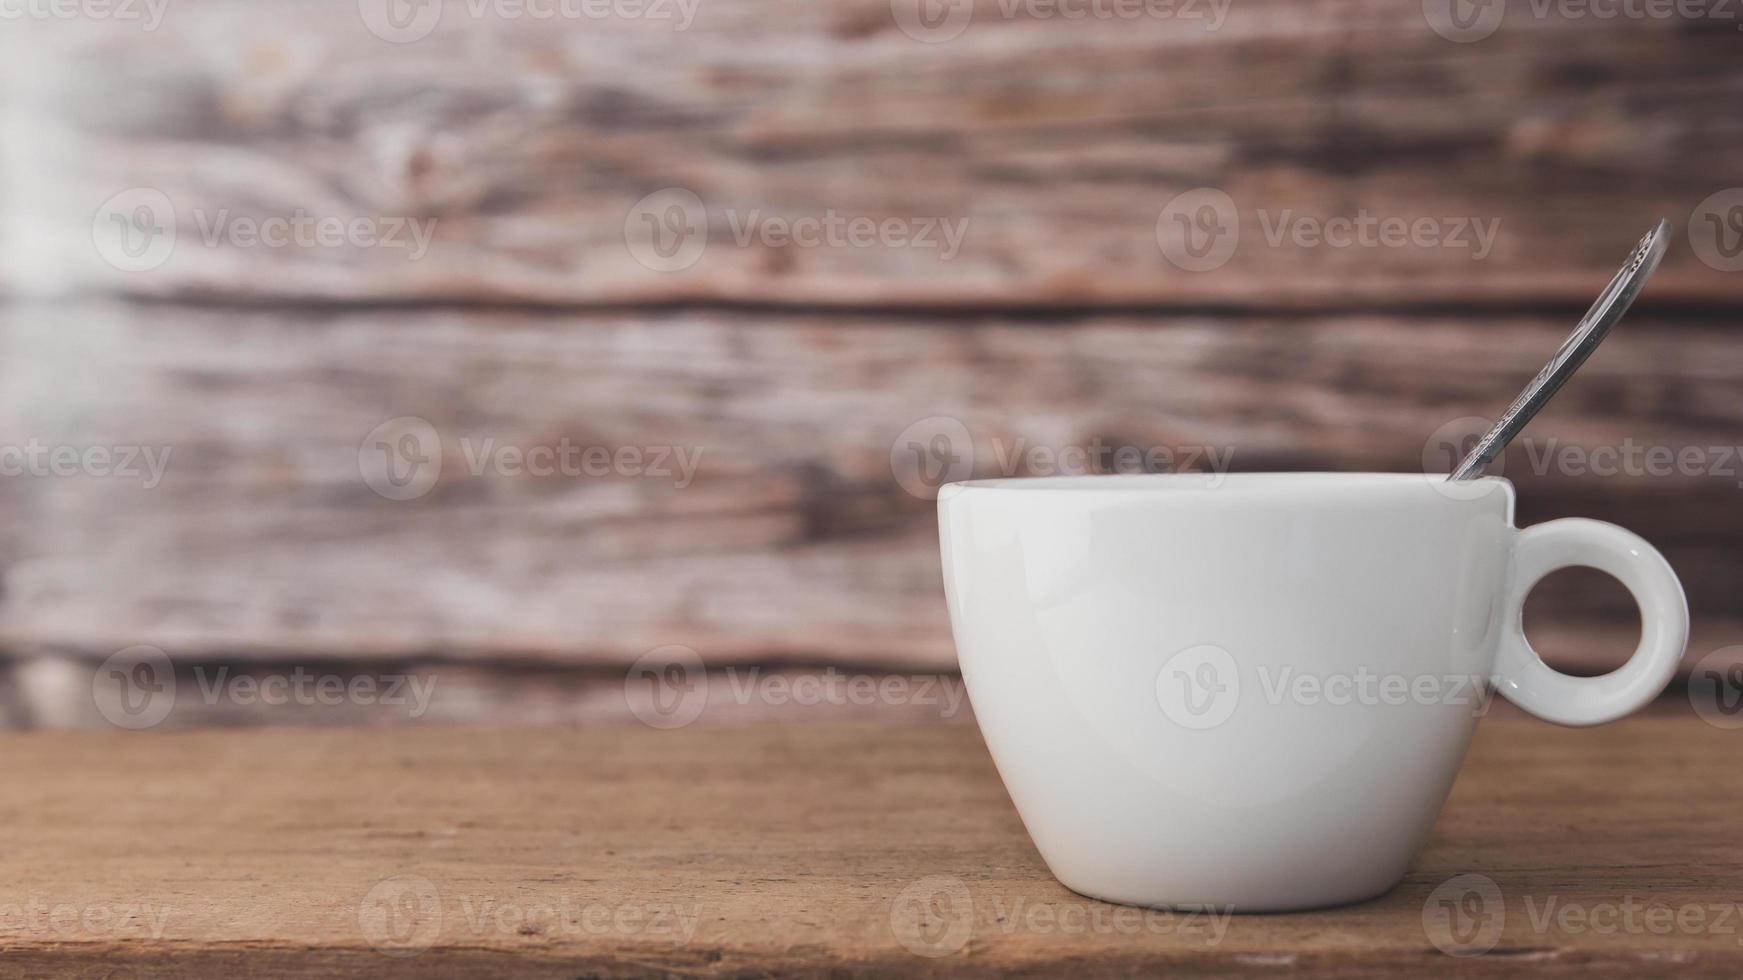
(793, 370)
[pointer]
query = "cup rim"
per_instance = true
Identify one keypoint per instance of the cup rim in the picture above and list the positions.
(1236, 483)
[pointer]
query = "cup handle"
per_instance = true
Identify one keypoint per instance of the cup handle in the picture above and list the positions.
(1531, 684)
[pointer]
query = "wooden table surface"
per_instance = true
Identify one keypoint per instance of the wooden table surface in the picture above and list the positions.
(878, 850)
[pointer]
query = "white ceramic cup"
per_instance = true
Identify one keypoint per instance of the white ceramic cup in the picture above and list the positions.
(1253, 691)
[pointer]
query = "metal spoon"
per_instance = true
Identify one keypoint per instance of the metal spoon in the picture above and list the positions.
(1612, 303)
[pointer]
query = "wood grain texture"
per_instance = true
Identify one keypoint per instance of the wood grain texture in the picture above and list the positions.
(529, 143)
(840, 850)
(795, 538)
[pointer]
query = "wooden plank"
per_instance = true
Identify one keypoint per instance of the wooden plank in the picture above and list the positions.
(795, 537)
(530, 147)
(839, 850)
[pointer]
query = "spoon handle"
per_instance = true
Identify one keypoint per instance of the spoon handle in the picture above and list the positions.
(1611, 304)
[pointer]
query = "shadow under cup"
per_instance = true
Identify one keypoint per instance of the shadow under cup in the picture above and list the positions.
(1254, 691)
